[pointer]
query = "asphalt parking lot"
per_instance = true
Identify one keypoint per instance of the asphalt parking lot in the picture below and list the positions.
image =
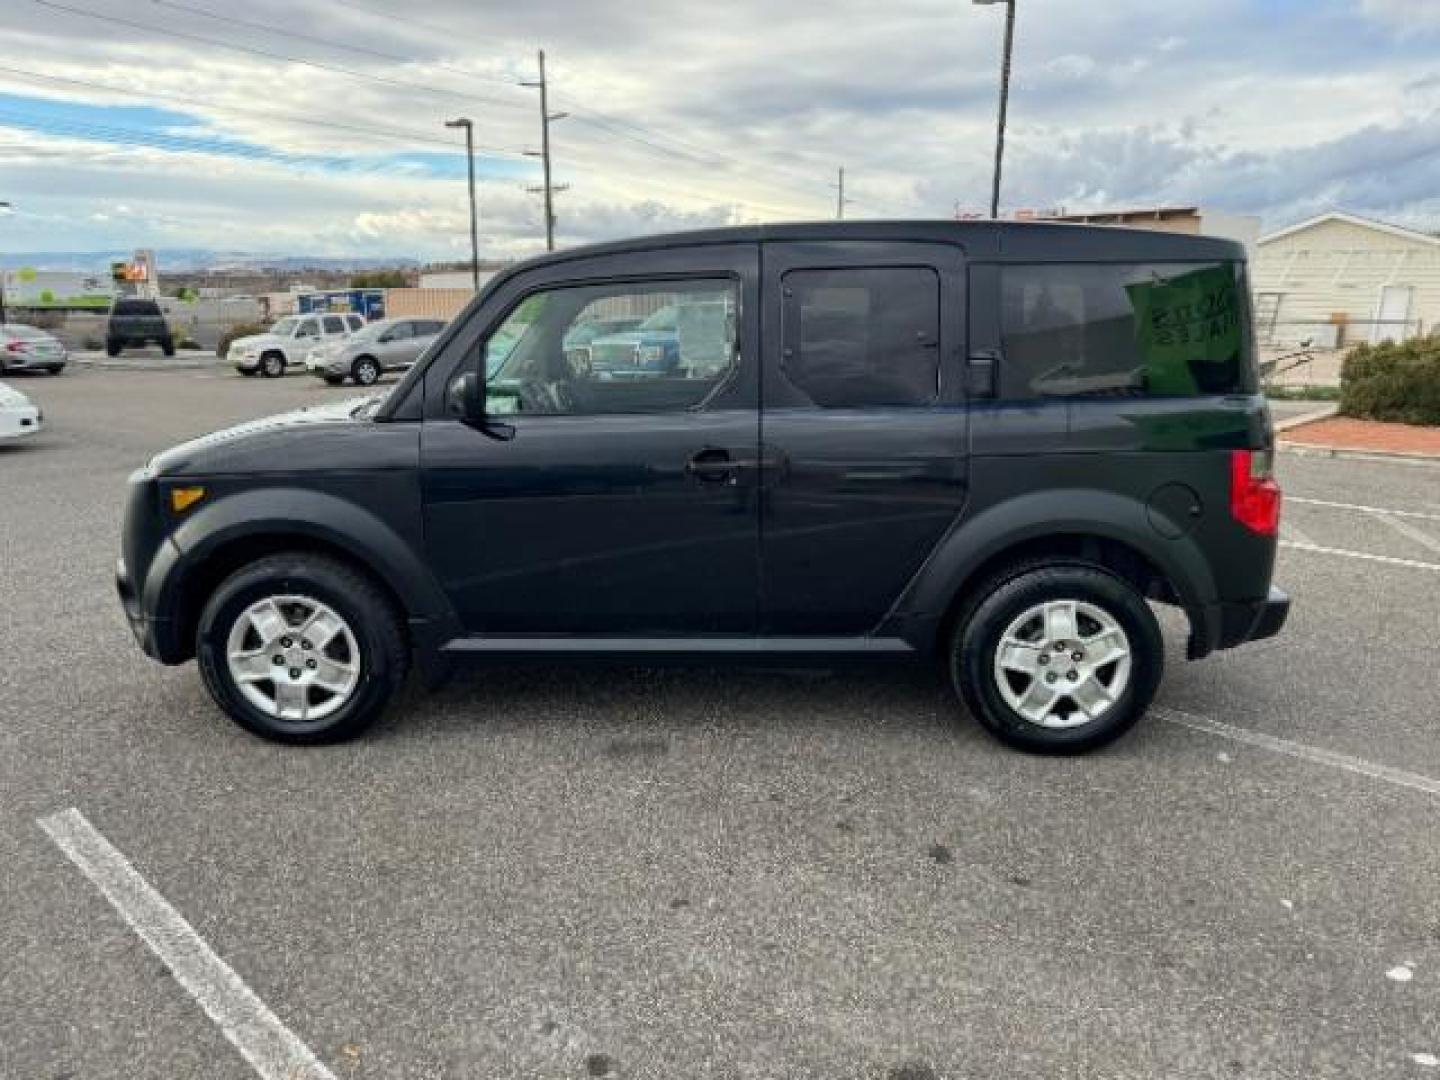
(551, 872)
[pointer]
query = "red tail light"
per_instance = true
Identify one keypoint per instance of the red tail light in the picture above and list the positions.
(1254, 494)
(15, 346)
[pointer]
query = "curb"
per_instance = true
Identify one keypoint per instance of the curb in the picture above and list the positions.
(178, 364)
(1324, 412)
(1389, 457)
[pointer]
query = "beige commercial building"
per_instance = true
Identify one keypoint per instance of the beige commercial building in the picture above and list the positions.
(1339, 279)
(1189, 220)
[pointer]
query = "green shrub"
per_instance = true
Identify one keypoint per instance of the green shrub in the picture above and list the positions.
(237, 331)
(1393, 382)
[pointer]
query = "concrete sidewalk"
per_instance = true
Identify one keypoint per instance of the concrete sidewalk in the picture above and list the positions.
(148, 360)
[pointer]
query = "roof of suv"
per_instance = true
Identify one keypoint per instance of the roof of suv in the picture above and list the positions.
(1003, 240)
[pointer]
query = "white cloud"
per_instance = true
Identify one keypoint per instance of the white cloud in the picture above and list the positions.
(685, 116)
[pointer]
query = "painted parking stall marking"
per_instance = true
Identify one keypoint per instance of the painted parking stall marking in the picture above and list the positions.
(1397, 777)
(272, 1049)
(1389, 560)
(1362, 509)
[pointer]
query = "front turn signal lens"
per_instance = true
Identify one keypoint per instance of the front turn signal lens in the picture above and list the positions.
(181, 499)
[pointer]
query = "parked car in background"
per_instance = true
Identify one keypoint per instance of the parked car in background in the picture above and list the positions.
(19, 416)
(648, 349)
(380, 346)
(288, 342)
(28, 348)
(135, 324)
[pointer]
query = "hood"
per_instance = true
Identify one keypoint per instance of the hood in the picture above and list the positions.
(234, 449)
(11, 398)
(256, 339)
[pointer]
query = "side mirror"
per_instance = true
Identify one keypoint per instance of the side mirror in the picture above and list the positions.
(465, 400)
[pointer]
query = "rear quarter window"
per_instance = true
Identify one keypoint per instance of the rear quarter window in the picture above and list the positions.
(1125, 330)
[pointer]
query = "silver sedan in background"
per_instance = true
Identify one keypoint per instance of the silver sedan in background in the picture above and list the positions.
(380, 346)
(28, 348)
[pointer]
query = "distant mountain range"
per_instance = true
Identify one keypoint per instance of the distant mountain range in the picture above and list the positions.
(195, 260)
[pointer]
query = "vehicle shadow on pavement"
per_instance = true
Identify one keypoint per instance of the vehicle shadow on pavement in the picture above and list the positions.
(642, 700)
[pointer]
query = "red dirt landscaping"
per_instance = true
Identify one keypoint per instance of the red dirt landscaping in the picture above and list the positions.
(1342, 433)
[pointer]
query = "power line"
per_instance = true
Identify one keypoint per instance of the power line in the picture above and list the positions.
(331, 43)
(253, 51)
(396, 134)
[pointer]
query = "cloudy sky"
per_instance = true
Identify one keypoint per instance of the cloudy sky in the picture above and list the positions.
(315, 126)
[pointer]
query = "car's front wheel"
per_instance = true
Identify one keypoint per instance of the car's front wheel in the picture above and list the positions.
(1058, 659)
(301, 648)
(365, 371)
(272, 365)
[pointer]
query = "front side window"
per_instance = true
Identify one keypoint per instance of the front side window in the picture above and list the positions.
(334, 324)
(399, 331)
(1130, 330)
(308, 328)
(614, 348)
(862, 337)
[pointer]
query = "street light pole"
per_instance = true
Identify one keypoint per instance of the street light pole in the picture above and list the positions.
(469, 126)
(1004, 99)
(7, 208)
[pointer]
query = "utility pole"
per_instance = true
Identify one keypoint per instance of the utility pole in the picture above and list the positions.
(549, 189)
(5, 206)
(840, 199)
(469, 126)
(1004, 99)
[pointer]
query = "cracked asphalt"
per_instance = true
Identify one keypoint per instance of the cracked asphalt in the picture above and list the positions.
(572, 872)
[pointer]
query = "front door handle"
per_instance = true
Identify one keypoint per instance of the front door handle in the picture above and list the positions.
(713, 465)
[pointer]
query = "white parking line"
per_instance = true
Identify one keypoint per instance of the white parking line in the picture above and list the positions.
(1404, 528)
(1398, 777)
(1389, 560)
(1290, 532)
(272, 1049)
(1362, 509)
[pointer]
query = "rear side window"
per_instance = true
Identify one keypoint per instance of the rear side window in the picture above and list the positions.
(862, 337)
(1126, 330)
(334, 324)
(354, 322)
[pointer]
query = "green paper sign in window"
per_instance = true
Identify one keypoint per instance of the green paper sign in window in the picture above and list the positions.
(1187, 329)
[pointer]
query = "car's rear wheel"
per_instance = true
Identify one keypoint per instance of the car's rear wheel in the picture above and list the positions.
(301, 648)
(1058, 659)
(365, 371)
(168, 347)
(112, 348)
(272, 365)
(55, 369)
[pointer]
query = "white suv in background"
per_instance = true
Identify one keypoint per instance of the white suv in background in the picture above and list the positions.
(288, 341)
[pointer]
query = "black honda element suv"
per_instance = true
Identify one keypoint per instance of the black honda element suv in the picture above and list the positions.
(991, 445)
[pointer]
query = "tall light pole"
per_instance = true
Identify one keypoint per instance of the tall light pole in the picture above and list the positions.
(7, 208)
(1004, 99)
(469, 126)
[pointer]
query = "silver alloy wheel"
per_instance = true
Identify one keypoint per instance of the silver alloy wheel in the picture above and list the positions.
(1063, 663)
(293, 658)
(367, 372)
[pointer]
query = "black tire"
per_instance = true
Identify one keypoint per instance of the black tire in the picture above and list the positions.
(979, 632)
(112, 348)
(272, 365)
(365, 371)
(334, 380)
(384, 656)
(249, 373)
(55, 369)
(168, 347)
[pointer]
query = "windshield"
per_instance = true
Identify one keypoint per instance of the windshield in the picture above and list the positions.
(284, 328)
